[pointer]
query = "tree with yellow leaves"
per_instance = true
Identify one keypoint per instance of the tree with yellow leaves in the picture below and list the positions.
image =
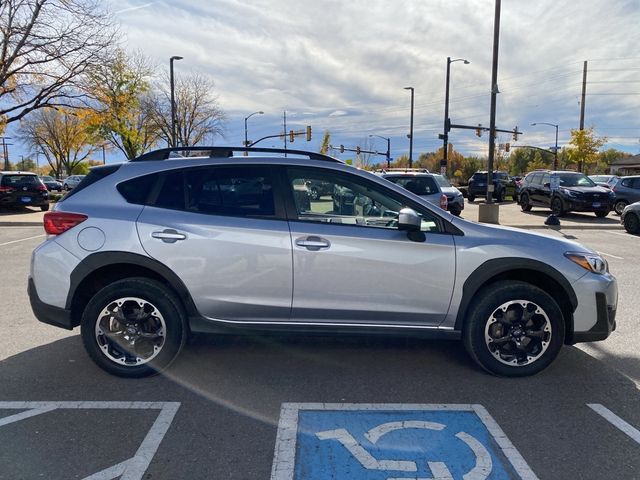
(585, 146)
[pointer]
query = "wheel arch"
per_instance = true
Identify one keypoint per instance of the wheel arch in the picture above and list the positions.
(100, 269)
(526, 270)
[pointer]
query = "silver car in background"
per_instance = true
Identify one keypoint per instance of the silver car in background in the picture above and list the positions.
(144, 253)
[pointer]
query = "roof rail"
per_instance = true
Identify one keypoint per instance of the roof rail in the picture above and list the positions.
(225, 152)
(401, 169)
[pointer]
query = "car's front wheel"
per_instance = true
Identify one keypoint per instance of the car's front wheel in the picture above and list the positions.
(524, 202)
(557, 207)
(632, 223)
(514, 329)
(602, 213)
(133, 327)
(470, 197)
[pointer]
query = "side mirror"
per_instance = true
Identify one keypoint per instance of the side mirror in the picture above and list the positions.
(547, 185)
(409, 220)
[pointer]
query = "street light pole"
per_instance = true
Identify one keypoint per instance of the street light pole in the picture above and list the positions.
(555, 150)
(494, 92)
(411, 129)
(173, 100)
(388, 148)
(446, 128)
(246, 136)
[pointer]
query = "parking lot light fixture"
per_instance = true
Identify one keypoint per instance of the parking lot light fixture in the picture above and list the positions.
(555, 150)
(411, 129)
(445, 137)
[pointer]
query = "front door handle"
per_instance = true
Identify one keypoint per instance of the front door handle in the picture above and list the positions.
(169, 235)
(313, 243)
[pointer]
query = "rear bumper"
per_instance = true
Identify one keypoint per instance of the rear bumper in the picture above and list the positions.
(48, 314)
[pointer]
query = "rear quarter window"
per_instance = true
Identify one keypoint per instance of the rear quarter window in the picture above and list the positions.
(95, 174)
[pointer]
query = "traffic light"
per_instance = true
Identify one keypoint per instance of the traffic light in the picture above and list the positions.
(515, 133)
(341, 148)
(479, 130)
(308, 133)
(357, 150)
(292, 136)
(507, 147)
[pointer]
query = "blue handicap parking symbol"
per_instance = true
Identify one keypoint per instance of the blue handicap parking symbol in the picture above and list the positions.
(393, 442)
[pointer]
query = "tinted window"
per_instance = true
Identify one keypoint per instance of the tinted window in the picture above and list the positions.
(137, 190)
(95, 174)
(442, 181)
(418, 185)
(535, 178)
(480, 176)
(238, 191)
(626, 182)
(635, 182)
(546, 178)
(244, 191)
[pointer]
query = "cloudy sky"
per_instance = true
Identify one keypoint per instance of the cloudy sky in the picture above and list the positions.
(341, 65)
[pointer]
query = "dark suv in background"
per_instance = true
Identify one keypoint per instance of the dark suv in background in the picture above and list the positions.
(627, 191)
(23, 188)
(564, 192)
(503, 186)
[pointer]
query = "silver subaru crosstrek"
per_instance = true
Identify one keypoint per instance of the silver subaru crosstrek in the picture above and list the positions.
(179, 241)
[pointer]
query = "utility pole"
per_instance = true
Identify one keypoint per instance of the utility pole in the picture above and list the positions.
(411, 129)
(5, 153)
(447, 122)
(582, 102)
(494, 93)
(284, 121)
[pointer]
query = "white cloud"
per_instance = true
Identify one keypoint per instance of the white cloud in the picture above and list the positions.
(325, 57)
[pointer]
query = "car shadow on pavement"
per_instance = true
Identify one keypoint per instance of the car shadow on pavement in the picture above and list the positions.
(231, 390)
(18, 210)
(610, 219)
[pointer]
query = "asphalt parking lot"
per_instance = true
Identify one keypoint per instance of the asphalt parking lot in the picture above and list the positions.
(228, 403)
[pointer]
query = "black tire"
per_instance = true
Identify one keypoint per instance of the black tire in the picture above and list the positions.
(602, 213)
(44, 208)
(455, 211)
(101, 347)
(619, 206)
(524, 202)
(471, 198)
(557, 207)
(483, 318)
(500, 196)
(65, 187)
(632, 223)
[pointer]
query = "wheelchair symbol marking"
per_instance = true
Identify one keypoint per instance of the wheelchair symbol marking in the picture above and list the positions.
(480, 471)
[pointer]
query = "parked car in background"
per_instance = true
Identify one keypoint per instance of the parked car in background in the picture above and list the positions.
(23, 188)
(627, 191)
(455, 199)
(169, 251)
(607, 181)
(630, 218)
(422, 184)
(575, 192)
(51, 183)
(319, 189)
(72, 182)
(503, 186)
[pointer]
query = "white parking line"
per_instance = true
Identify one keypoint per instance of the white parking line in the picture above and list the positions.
(609, 255)
(21, 240)
(131, 469)
(615, 420)
(622, 234)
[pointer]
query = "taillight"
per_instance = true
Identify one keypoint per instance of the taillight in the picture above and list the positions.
(41, 187)
(7, 189)
(443, 201)
(56, 223)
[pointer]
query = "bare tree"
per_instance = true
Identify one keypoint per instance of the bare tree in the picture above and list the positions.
(45, 48)
(62, 136)
(199, 118)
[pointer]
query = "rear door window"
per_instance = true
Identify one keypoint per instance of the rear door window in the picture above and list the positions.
(418, 185)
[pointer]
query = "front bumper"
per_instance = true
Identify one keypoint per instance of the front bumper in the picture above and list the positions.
(579, 205)
(46, 313)
(595, 316)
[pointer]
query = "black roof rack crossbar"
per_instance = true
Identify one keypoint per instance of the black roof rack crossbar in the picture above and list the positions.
(222, 152)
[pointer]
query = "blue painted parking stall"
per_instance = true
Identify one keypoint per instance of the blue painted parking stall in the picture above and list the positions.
(317, 441)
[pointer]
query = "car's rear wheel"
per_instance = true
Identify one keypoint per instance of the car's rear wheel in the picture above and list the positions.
(133, 327)
(524, 202)
(602, 213)
(619, 206)
(455, 211)
(514, 329)
(557, 208)
(44, 208)
(632, 223)
(471, 198)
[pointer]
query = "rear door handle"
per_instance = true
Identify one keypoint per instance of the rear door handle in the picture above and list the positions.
(313, 243)
(169, 235)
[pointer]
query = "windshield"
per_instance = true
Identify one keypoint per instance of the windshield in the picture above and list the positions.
(575, 180)
(47, 179)
(417, 185)
(442, 180)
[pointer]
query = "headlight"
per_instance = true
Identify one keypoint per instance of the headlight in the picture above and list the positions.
(571, 193)
(589, 261)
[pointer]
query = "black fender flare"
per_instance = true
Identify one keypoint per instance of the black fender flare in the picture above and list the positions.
(98, 260)
(497, 266)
